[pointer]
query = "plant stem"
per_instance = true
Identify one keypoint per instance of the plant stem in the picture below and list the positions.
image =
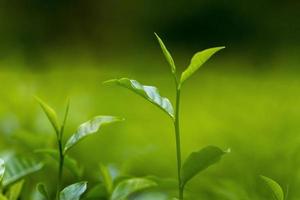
(178, 145)
(60, 167)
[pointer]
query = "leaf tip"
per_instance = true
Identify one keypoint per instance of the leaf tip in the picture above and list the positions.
(109, 82)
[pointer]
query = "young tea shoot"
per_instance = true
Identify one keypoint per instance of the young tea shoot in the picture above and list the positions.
(197, 161)
(88, 128)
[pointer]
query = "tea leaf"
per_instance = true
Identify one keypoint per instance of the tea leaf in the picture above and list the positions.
(18, 168)
(130, 186)
(2, 169)
(197, 61)
(275, 187)
(149, 93)
(89, 128)
(70, 163)
(199, 161)
(106, 178)
(51, 114)
(41, 188)
(15, 190)
(73, 192)
(167, 54)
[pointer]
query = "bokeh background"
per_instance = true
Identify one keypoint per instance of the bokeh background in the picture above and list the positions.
(247, 97)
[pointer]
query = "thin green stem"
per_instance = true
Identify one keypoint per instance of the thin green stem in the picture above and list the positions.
(178, 145)
(61, 152)
(60, 168)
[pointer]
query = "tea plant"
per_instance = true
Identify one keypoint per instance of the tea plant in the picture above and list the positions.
(118, 187)
(196, 161)
(74, 191)
(12, 174)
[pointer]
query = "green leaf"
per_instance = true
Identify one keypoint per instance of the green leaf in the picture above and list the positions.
(199, 161)
(130, 186)
(167, 54)
(89, 128)
(70, 163)
(17, 168)
(149, 93)
(41, 188)
(106, 178)
(2, 169)
(51, 114)
(197, 61)
(15, 190)
(275, 187)
(97, 192)
(73, 192)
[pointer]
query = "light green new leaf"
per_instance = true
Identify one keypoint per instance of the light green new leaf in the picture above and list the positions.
(15, 190)
(88, 128)
(199, 161)
(51, 114)
(2, 169)
(167, 54)
(41, 188)
(149, 93)
(130, 186)
(70, 163)
(106, 178)
(275, 187)
(197, 61)
(73, 192)
(17, 168)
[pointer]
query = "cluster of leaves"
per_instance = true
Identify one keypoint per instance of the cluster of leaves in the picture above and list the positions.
(12, 174)
(14, 170)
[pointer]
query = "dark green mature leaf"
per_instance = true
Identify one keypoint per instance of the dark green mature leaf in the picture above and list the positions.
(70, 163)
(41, 188)
(89, 128)
(18, 168)
(275, 187)
(15, 190)
(130, 186)
(197, 61)
(149, 93)
(199, 161)
(2, 169)
(167, 54)
(73, 192)
(51, 114)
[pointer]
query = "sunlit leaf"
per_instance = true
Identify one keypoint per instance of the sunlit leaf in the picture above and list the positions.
(167, 54)
(17, 168)
(149, 93)
(130, 186)
(41, 188)
(51, 114)
(106, 178)
(197, 61)
(70, 163)
(89, 128)
(73, 192)
(15, 190)
(275, 187)
(2, 169)
(199, 161)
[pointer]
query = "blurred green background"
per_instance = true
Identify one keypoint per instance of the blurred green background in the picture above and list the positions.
(246, 98)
